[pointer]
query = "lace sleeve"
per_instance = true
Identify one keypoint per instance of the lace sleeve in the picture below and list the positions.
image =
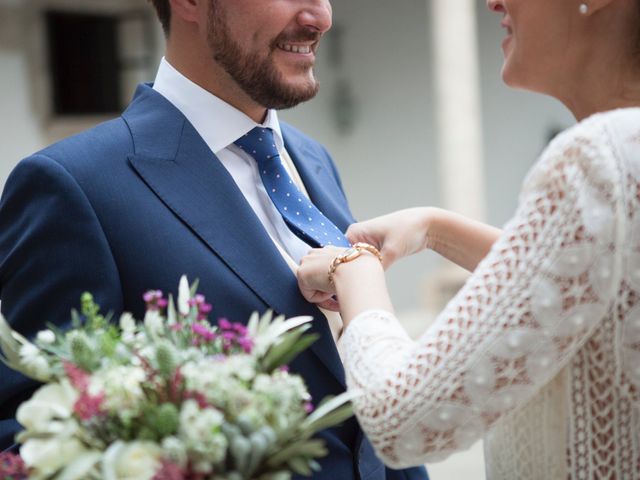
(530, 304)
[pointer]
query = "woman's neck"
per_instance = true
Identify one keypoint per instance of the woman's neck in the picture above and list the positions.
(609, 79)
(585, 101)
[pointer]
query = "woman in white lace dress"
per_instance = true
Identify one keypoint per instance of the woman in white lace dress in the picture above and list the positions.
(539, 353)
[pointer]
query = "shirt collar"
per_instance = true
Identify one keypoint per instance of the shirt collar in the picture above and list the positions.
(217, 122)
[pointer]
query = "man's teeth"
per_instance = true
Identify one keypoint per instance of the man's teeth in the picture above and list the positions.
(295, 48)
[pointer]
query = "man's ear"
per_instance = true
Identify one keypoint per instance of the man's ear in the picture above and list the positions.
(187, 10)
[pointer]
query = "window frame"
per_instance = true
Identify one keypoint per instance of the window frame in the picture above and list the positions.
(36, 50)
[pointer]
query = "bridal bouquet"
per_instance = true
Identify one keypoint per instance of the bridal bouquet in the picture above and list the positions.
(171, 398)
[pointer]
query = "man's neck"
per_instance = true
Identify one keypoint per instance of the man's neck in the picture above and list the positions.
(207, 74)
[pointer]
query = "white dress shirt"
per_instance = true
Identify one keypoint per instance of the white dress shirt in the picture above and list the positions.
(220, 124)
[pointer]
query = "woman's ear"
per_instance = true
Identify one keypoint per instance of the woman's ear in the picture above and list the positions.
(589, 7)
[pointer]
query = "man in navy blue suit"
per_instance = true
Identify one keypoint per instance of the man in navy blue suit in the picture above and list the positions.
(164, 190)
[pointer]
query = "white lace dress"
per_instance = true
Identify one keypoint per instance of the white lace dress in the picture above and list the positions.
(539, 353)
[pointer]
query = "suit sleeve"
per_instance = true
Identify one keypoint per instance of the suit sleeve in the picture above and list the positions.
(52, 248)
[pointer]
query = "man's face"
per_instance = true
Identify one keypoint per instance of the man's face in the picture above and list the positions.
(268, 47)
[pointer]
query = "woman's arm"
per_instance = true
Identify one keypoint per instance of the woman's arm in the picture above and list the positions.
(519, 319)
(457, 238)
(460, 239)
(361, 283)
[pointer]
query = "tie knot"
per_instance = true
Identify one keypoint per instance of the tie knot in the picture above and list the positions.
(259, 143)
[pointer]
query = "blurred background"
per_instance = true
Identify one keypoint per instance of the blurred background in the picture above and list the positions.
(411, 106)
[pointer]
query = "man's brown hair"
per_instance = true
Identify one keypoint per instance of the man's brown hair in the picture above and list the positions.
(163, 9)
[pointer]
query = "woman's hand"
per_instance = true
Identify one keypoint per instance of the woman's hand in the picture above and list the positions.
(358, 284)
(396, 235)
(457, 238)
(313, 277)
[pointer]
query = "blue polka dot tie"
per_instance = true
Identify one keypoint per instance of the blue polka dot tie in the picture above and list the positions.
(302, 217)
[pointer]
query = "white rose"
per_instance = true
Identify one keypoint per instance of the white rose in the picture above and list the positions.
(39, 368)
(46, 336)
(35, 364)
(131, 461)
(29, 350)
(52, 401)
(81, 467)
(48, 456)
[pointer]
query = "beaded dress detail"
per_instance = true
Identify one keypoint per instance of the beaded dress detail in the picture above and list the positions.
(539, 352)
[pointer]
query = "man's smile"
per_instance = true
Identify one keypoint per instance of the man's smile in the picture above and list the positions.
(297, 48)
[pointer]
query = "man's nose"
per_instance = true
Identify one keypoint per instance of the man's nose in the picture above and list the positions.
(316, 15)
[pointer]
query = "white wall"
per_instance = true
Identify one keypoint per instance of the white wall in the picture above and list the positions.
(19, 131)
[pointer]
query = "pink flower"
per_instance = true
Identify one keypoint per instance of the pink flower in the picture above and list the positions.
(176, 385)
(154, 300)
(246, 344)
(206, 308)
(224, 324)
(235, 335)
(202, 307)
(240, 329)
(88, 406)
(203, 332)
(169, 471)
(229, 336)
(199, 397)
(12, 467)
(78, 377)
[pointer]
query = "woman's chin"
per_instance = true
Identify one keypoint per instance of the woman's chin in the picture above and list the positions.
(507, 78)
(511, 78)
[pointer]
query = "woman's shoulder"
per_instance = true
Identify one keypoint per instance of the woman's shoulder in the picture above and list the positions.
(618, 116)
(601, 127)
(589, 151)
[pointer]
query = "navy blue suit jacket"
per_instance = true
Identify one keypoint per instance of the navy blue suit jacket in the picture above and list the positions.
(132, 205)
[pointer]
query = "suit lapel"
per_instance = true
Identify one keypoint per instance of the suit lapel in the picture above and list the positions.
(175, 162)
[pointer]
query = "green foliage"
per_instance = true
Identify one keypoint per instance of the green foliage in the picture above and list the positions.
(109, 341)
(82, 350)
(166, 358)
(291, 344)
(91, 311)
(161, 421)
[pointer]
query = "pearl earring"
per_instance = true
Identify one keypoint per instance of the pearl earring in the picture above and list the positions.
(584, 8)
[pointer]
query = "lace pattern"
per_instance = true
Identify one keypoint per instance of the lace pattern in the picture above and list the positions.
(540, 350)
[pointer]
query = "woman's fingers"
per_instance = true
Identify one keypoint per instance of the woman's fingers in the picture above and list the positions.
(330, 304)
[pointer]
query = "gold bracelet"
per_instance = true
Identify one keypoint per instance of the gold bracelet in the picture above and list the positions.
(351, 254)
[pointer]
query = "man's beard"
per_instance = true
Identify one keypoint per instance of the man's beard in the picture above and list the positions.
(258, 76)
